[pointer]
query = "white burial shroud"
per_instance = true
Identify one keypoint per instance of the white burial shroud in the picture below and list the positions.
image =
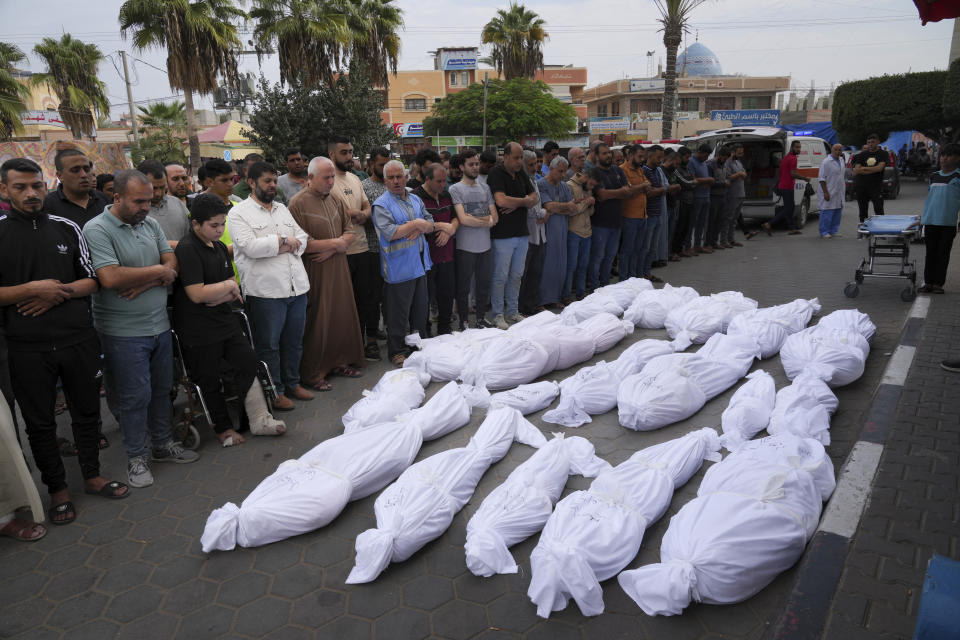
(520, 506)
(592, 535)
(421, 504)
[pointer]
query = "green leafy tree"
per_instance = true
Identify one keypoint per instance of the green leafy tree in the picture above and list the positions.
(515, 108)
(72, 75)
(674, 17)
(13, 93)
(909, 101)
(375, 31)
(164, 127)
(201, 40)
(304, 117)
(161, 114)
(951, 101)
(516, 37)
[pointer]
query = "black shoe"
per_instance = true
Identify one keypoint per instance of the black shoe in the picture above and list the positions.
(381, 335)
(483, 323)
(951, 365)
(372, 352)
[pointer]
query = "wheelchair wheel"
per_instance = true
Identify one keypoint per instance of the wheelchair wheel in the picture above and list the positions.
(908, 294)
(851, 290)
(191, 439)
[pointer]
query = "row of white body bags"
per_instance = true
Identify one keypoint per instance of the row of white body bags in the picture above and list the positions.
(650, 308)
(751, 520)
(593, 390)
(397, 392)
(592, 535)
(308, 493)
(771, 326)
(835, 349)
(520, 506)
(674, 387)
(421, 504)
(705, 316)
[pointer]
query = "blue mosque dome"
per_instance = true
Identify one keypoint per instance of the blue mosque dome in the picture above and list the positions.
(698, 60)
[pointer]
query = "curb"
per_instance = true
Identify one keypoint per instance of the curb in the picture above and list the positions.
(808, 603)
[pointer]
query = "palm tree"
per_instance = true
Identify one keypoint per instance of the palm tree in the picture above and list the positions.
(311, 37)
(13, 93)
(516, 37)
(72, 75)
(160, 114)
(201, 41)
(374, 27)
(674, 16)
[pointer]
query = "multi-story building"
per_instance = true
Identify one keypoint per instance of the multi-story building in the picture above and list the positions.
(412, 94)
(632, 107)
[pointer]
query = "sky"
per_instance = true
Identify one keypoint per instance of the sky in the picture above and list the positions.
(817, 43)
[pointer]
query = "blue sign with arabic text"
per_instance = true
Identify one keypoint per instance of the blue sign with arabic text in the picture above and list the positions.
(748, 117)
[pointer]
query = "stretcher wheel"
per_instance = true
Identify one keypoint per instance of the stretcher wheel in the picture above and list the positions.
(908, 294)
(851, 290)
(191, 438)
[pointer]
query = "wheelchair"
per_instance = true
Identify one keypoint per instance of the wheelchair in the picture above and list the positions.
(185, 421)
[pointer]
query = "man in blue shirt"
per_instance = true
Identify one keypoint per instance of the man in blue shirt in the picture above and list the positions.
(701, 197)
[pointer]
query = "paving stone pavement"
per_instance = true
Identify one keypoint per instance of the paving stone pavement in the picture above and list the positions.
(913, 509)
(134, 568)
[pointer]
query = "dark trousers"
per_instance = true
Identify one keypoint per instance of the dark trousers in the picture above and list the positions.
(939, 241)
(866, 195)
(442, 287)
(204, 364)
(34, 375)
(698, 220)
(6, 386)
(406, 306)
(680, 239)
(367, 290)
(718, 207)
(530, 285)
(785, 212)
(477, 266)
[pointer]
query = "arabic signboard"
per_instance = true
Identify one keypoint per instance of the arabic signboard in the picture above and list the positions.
(749, 117)
(457, 141)
(458, 60)
(654, 84)
(408, 129)
(49, 118)
(656, 116)
(607, 125)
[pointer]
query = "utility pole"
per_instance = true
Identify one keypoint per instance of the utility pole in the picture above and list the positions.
(133, 116)
(484, 142)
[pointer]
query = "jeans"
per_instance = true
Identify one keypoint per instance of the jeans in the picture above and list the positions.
(471, 266)
(138, 374)
(651, 240)
(408, 307)
(578, 257)
(529, 297)
(603, 249)
(509, 256)
(830, 221)
(785, 212)
(633, 248)
(939, 241)
(35, 375)
(698, 220)
(734, 211)
(277, 325)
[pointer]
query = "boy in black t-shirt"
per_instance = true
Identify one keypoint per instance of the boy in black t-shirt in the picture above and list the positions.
(868, 166)
(208, 329)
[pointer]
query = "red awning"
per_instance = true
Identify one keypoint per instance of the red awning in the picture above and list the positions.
(937, 10)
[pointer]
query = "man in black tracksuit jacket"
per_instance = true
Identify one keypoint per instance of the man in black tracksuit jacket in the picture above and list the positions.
(46, 279)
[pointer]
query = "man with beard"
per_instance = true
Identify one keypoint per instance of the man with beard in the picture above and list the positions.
(442, 279)
(267, 245)
(529, 296)
(45, 284)
(476, 212)
(332, 340)
(75, 198)
(350, 190)
(368, 307)
(455, 173)
(241, 189)
(135, 265)
(425, 157)
(172, 214)
(296, 176)
(610, 194)
(178, 181)
(488, 160)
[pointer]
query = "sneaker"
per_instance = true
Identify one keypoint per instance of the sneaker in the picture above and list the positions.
(138, 472)
(499, 322)
(515, 318)
(837, 235)
(826, 236)
(372, 352)
(173, 451)
(484, 323)
(951, 365)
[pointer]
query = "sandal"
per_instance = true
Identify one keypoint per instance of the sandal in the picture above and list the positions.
(321, 385)
(349, 372)
(18, 529)
(66, 511)
(398, 359)
(66, 447)
(109, 490)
